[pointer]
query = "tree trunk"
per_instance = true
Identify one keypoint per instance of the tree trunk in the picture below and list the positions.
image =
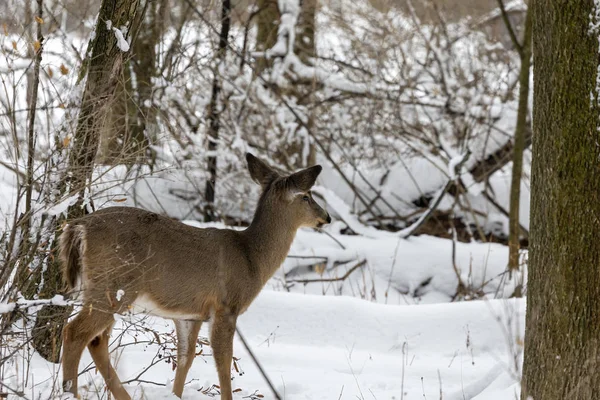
(125, 139)
(300, 152)
(104, 69)
(304, 45)
(520, 132)
(214, 111)
(266, 35)
(562, 343)
(305, 48)
(145, 70)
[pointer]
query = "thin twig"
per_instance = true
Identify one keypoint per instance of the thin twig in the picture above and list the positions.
(32, 104)
(258, 365)
(509, 27)
(331, 236)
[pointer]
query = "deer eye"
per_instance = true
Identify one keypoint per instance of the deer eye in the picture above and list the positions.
(305, 198)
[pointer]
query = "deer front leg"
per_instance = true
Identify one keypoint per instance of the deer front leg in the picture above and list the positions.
(187, 334)
(221, 341)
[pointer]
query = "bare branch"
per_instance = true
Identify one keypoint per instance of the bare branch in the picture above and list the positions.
(509, 27)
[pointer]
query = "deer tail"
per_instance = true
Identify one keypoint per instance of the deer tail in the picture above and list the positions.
(71, 252)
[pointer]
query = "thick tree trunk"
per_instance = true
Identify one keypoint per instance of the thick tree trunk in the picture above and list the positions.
(125, 139)
(520, 132)
(104, 70)
(562, 342)
(145, 69)
(214, 111)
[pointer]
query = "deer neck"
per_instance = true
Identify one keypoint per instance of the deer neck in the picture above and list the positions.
(269, 238)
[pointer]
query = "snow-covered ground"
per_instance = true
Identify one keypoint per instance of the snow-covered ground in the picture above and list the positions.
(391, 329)
(364, 337)
(325, 347)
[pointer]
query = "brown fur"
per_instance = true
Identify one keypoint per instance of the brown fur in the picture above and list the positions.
(70, 243)
(190, 274)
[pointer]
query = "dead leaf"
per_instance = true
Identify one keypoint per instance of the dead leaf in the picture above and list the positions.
(64, 70)
(66, 141)
(320, 268)
(14, 45)
(39, 20)
(50, 72)
(37, 45)
(119, 200)
(5, 29)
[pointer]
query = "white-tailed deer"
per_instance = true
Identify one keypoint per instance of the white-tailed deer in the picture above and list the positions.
(130, 259)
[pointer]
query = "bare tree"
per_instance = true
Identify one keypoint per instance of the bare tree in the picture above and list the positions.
(563, 294)
(117, 24)
(214, 111)
(524, 50)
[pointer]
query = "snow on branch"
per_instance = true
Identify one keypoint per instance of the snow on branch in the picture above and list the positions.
(343, 210)
(286, 33)
(286, 61)
(122, 43)
(23, 304)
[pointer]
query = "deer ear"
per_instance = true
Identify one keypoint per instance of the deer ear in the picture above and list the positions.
(260, 172)
(306, 178)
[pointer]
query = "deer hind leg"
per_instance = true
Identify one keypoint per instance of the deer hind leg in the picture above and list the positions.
(88, 324)
(187, 333)
(221, 340)
(98, 348)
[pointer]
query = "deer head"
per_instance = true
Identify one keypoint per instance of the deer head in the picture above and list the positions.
(289, 197)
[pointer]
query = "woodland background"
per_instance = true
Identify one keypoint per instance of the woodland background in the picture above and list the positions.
(419, 112)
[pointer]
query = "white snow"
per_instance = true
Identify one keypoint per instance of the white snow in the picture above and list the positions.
(122, 43)
(63, 205)
(316, 347)
(5, 308)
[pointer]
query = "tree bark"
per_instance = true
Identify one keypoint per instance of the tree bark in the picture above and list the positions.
(132, 116)
(298, 153)
(104, 71)
(266, 35)
(562, 343)
(514, 228)
(214, 111)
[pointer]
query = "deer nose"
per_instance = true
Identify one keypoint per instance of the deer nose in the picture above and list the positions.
(328, 218)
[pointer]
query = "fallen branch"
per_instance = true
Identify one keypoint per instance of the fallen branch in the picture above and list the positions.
(341, 278)
(455, 168)
(353, 222)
